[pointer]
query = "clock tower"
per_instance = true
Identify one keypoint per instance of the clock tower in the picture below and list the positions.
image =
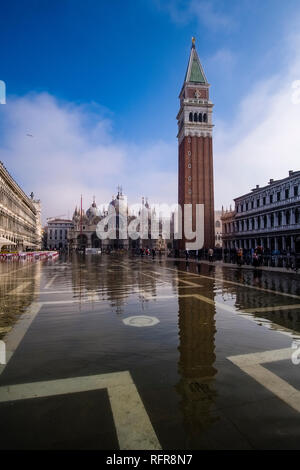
(195, 152)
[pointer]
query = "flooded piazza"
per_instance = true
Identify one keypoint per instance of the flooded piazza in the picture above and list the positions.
(120, 352)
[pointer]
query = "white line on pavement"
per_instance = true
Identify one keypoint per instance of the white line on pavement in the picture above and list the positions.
(272, 308)
(15, 336)
(19, 289)
(133, 426)
(251, 364)
(49, 284)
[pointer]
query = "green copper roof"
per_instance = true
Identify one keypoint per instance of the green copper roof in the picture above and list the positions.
(196, 73)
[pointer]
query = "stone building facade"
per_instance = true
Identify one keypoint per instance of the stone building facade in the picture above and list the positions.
(267, 216)
(218, 229)
(57, 233)
(20, 216)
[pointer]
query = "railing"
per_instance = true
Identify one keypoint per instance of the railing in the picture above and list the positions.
(278, 228)
(280, 260)
(272, 205)
(269, 259)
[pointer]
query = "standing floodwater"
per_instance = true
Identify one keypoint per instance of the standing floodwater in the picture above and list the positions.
(147, 353)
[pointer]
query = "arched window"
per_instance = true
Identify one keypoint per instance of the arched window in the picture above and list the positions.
(191, 117)
(195, 117)
(204, 117)
(200, 117)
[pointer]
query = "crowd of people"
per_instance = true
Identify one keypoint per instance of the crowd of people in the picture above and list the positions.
(255, 255)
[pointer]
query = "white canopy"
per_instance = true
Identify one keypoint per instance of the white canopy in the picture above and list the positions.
(4, 241)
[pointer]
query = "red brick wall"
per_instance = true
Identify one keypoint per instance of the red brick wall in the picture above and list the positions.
(202, 184)
(190, 93)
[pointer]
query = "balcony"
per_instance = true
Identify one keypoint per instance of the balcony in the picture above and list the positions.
(269, 207)
(267, 230)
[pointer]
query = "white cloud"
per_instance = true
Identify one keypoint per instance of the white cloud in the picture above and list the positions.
(223, 61)
(73, 152)
(263, 140)
(204, 12)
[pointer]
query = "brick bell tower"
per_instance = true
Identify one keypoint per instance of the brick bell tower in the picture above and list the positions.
(195, 153)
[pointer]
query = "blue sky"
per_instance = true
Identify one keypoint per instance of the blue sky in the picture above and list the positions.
(111, 72)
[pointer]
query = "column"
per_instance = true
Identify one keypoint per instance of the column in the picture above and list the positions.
(292, 222)
(283, 243)
(89, 240)
(275, 243)
(292, 243)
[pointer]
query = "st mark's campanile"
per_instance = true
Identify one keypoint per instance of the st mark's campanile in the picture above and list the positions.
(195, 152)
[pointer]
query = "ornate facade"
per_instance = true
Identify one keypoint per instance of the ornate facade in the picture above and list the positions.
(218, 229)
(268, 216)
(20, 216)
(83, 232)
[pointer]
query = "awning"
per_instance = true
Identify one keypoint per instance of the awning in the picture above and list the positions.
(5, 241)
(30, 245)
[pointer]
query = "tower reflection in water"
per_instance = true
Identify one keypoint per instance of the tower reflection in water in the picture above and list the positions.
(196, 361)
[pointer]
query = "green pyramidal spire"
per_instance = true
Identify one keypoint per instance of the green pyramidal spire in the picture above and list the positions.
(194, 72)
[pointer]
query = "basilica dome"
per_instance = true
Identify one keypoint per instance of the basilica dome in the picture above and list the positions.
(93, 211)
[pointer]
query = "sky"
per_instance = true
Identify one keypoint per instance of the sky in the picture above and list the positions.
(92, 95)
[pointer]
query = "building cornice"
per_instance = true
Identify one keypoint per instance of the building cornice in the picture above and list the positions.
(9, 181)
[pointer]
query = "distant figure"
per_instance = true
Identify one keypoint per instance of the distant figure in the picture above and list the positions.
(240, 256)
(255, 259)
(153, 253)
(210, 255)
(186, 254)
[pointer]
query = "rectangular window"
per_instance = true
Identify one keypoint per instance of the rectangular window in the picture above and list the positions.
(278, 196)
(295, 190)
(287, 193)
(264, 201)
(271, 198)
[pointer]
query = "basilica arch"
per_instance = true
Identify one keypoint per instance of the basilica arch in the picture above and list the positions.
(96, 242)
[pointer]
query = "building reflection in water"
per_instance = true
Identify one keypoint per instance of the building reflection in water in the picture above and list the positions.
(265, 294)
(19, 287)
(197, 330)
(99, 278)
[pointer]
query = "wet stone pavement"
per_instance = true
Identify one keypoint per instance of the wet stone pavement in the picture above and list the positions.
(113, 352)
